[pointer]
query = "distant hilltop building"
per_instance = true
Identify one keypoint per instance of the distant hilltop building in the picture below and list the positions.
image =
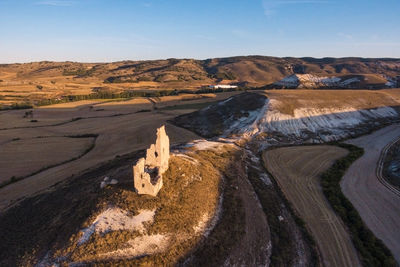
(147, 173)
(222, 86)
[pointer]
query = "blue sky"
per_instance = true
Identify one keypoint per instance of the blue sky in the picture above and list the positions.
(112, 30)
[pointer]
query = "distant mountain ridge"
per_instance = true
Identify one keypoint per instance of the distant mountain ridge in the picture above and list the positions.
(251, 71)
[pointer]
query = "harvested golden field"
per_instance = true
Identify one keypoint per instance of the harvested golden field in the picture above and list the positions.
(77, 104)
(22, 157)
(286, 101)
(296, 170)
(122, 103)
(394, 93)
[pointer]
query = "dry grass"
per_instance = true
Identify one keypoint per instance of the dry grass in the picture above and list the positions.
(297, 170)
(190, 190)
(180, 205)
(393, 93)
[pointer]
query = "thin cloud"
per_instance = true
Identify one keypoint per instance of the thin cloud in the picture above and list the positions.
(386, 44)
(270, 7)
(345, 35)
(55, 3)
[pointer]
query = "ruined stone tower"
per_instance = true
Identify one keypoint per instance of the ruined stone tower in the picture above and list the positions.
(147, 173)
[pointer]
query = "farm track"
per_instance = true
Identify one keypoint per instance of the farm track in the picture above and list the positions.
(297, 170)
(69, 121)
(377, 204)
(379, 168)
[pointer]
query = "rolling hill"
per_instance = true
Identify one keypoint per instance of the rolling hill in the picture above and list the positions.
(30, 82)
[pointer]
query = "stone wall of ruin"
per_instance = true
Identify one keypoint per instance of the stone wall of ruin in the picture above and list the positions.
(147, 173)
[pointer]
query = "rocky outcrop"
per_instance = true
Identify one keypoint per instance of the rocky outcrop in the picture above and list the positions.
(215, 119)
(360, 81)
(147, 173)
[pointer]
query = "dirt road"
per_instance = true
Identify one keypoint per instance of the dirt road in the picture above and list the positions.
(297, 171)
(379, 207)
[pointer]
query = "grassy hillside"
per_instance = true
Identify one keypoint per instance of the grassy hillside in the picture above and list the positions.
(43, 80)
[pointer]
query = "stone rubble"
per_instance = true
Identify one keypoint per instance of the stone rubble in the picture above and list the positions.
(106, 181)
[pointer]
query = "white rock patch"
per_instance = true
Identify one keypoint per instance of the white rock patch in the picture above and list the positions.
(202, 224)
(203, 144)
(313, 81)
(188, 158)
(114, 219)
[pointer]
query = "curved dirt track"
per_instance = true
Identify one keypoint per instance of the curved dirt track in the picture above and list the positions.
(297, 170)
(378, 206)
(381, 163)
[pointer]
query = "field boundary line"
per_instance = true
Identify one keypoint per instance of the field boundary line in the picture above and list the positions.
(17, 179)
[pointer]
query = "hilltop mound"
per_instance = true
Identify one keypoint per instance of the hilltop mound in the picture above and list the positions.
(296, 115)
(218, 118)
(114, 224)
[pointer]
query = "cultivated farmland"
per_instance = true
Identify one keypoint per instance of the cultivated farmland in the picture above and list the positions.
(121, 129)
(296, 170)
(24, 157)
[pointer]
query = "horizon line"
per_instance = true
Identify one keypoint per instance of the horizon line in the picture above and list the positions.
(192, 58)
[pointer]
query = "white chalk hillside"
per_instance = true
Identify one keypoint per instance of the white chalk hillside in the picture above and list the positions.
(314, 81)
(313, 124)
(308, 80)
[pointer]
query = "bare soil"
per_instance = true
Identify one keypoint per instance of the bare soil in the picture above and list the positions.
(297, 171)
(254, 248)
(25, 156)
